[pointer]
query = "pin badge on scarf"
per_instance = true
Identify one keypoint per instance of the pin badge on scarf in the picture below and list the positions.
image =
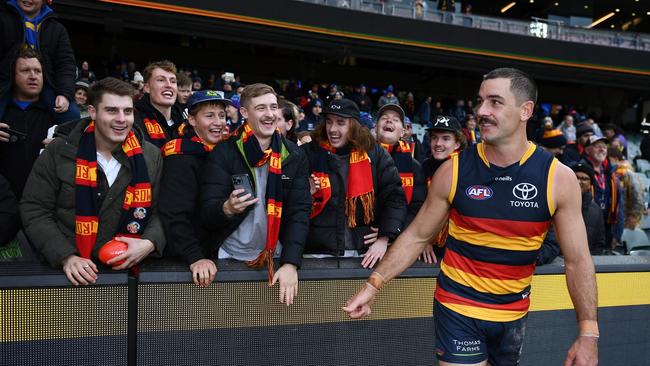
(133, 227)
(140, 213)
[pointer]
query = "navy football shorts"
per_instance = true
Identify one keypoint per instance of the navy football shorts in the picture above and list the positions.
(464, 340)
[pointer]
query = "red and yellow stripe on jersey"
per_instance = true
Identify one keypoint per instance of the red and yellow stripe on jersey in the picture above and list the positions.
(498, 220)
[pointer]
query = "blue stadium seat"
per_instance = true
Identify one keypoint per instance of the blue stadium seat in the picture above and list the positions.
(635, 239)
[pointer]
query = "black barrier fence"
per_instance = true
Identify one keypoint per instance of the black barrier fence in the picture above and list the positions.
(163, 319)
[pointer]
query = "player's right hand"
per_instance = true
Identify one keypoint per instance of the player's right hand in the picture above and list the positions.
(360, 304)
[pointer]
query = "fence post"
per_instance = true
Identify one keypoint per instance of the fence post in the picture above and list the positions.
(132, 320)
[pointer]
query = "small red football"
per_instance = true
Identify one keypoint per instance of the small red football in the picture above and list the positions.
(111, 250)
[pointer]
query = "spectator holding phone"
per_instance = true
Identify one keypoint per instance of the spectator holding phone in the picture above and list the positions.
(96, 181)
(358, 204)
(271, 217)
(25, 122)
(179, 193)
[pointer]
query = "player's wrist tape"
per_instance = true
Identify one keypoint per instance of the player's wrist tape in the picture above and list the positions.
(588, 327)
(590, 335)
(376, 280)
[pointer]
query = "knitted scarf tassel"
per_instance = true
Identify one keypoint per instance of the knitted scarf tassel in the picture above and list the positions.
(368, 203)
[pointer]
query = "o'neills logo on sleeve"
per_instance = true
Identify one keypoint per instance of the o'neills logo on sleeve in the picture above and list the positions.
(479, 193)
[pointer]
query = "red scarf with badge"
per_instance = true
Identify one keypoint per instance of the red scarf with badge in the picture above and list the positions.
(137, 199)
(359, 184)
(401, 153)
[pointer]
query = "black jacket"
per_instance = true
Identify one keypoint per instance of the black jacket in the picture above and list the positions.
(595, 224)
(179, 208)
(419, 193)
(53, 45)
(144, 109)
(571, 155)
(327, 230)
(9, 219)
(224, 162)
(17, 158)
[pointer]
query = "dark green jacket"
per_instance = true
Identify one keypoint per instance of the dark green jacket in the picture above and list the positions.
(47, 207)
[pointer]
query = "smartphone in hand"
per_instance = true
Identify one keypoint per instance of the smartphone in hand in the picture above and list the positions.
(243, 181)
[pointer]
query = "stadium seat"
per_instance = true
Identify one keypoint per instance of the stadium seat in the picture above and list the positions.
(642, 166)
(635, 239)
(645, 223)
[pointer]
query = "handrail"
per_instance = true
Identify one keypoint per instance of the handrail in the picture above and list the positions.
(537, 27)
(24, 274)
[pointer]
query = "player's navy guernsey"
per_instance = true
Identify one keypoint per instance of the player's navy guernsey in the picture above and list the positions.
(498, 220)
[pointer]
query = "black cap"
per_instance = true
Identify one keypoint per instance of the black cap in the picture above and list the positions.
(584, 128)
(445, 123)
(343, 108)
(391, 107)
(553, 138)
(584, 167)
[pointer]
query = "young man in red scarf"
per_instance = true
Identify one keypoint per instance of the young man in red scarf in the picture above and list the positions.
(181, 179)
(156, 113)
(358, 204)
(445, 138)
(390, 133)
(271, 220)
(97, 180)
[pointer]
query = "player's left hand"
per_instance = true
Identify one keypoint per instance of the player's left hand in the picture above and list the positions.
(287, 275)
(138, 250)
(583, 352)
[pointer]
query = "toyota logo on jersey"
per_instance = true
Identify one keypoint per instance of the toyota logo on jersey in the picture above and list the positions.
(479, 193)
(525, 191)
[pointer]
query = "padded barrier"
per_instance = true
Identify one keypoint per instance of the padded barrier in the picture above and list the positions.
(238, 320)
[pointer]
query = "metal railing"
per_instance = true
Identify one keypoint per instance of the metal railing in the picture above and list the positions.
(537, 27)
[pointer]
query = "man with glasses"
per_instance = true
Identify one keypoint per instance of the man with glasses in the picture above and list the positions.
(591, 213)
(606, 189)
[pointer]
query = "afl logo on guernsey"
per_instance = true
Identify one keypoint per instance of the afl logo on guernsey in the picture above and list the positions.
(478, 193)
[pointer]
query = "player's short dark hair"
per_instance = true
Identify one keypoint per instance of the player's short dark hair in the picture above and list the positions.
(522, 85)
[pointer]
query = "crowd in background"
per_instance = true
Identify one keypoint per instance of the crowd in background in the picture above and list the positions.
(49, 102)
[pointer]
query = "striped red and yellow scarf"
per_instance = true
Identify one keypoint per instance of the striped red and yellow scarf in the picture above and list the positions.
(359, 184)
(155, 132)
(187, 144)
(256, 157)
(402, 155)
(137, 200)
